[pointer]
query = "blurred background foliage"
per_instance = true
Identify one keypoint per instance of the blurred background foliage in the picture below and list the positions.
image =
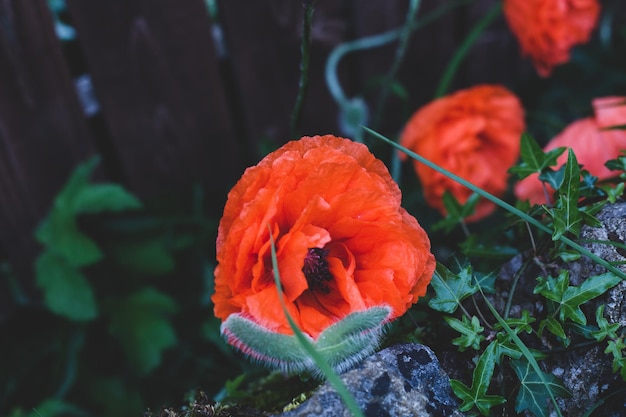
(121, 318)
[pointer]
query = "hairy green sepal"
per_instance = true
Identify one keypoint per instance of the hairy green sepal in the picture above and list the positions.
(342, 344)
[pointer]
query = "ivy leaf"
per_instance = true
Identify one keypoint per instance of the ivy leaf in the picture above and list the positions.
(534, 160)
(518, 324)
(554, 177)
(570, 298)
(605, 329)
(66, 290)
(566, 217)
(617, 164)
(455, 211)
(554, 327)
(613, 192)
(451, 288)
(140, 322)
(476, 396)
(470, 332)
(534, 394)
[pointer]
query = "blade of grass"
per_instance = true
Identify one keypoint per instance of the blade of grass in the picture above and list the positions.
(522, 347)
(325, 368)
(499, 202)
(465, 47)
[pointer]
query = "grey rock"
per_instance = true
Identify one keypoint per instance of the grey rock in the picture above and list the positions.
(400, 381)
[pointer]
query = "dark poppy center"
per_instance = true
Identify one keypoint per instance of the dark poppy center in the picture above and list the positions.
(316, 270)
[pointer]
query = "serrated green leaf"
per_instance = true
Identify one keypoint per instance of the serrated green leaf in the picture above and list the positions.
(60, 234)
(535, 389)
(140, 322)
(570, 298)
(97, 198)
(534, 160)
(66, 291)
(450, 288)
(476, 396)
(604, 328)
(566, 216)
(470, 332)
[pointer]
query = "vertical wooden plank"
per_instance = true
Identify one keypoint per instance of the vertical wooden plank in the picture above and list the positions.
(428, 51)
(264, 45)
(154, 70)
(42, 130)
(495, 58)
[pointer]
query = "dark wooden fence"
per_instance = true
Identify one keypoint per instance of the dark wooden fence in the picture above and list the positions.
(179, 107)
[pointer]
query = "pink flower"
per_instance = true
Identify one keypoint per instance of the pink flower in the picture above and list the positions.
(592, 142)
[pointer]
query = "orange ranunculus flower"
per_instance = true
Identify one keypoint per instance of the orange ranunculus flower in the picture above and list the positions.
(474, 133)
(591, 140)
(548, 29)
(343, 242)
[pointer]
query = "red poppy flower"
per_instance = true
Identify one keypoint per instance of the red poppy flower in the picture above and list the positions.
(475, 134)
(343, 242)
(592, 142)
(548, 29)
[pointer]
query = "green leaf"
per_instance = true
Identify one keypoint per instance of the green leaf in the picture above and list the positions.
(140, 322)
(60, 234)
(613, 192)
(519, 324)
(470, 332)
(535, 389)
(97, 198)
(605, 329)
(476, 396)
(451, 288)
(66, 291)
(570, 298)
(553, 177)
(554, 327)
(534, 160)
(455, 211)
(566, 216)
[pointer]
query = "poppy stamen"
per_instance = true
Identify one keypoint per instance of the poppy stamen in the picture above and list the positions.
(316, 270)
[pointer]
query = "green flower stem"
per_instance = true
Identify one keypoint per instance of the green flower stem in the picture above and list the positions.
(303, 84)
(463, 50)
(324, 366)
(395, 66)
(332, 79)
(500, 203)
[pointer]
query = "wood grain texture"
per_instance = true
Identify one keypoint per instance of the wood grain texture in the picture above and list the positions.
(155, 72)
(43, 134)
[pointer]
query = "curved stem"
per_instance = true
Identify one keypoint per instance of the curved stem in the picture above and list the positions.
(395, 66)
(303, 84)
(373, 42)
(463, 50)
